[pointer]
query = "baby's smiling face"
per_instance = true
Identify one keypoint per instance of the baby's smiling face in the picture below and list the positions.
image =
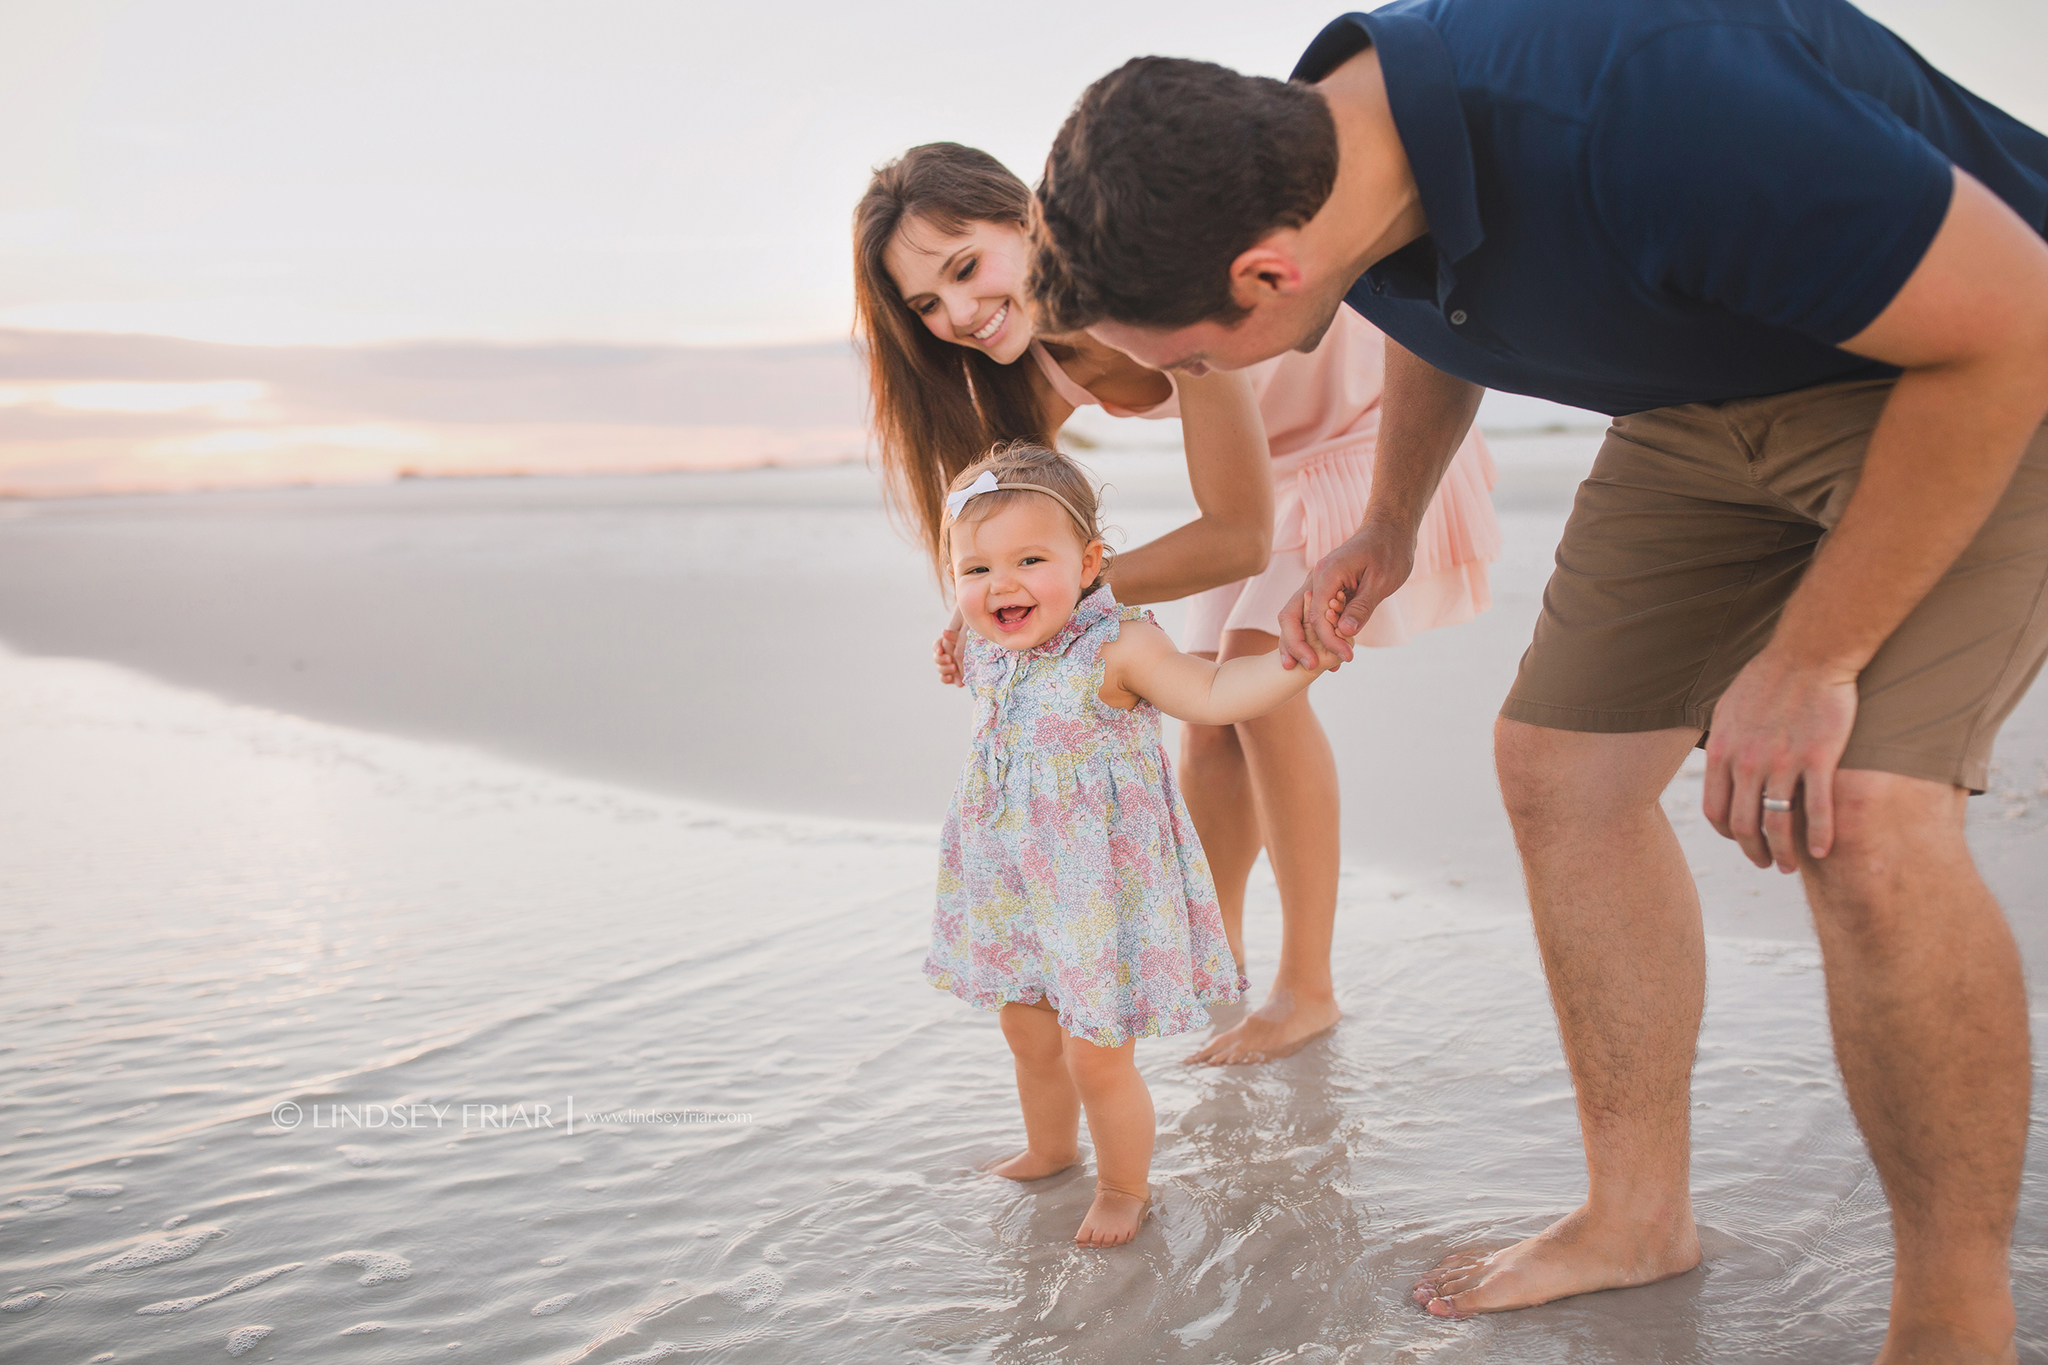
(1018, 572)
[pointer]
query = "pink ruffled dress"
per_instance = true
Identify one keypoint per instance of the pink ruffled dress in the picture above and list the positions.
(1322, 414)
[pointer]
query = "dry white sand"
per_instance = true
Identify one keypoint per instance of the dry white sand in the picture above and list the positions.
(294, 890)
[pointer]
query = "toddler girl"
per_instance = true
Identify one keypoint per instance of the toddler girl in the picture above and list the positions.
(1073, 894)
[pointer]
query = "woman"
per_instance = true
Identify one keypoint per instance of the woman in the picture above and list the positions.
(940, 260)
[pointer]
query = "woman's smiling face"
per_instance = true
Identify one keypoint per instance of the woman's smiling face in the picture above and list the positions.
(1019, 572)
(967, 286)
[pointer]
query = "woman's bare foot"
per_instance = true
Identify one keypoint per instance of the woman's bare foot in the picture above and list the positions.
(1279, 1028)
(1113, 1218)
(1574, 1255)
(1030, 1165)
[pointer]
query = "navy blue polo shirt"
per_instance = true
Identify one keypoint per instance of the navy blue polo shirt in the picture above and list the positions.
(1639, 203)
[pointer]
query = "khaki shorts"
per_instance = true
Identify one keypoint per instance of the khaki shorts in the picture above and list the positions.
(1696, 525)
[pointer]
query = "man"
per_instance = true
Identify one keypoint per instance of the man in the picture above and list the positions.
(1806, 274)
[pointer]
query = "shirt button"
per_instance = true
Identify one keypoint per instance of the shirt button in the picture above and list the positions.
(1458, 318)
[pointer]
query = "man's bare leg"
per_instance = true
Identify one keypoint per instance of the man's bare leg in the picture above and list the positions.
(1294, 779)
(1929, 1011)
(1618, 921)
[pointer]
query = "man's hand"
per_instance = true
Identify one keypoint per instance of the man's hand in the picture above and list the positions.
(1426, 415)
(1317, 628)
(1779, 731)
(1969, 330)
(946, 654)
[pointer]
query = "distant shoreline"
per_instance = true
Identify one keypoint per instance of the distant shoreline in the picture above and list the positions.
(1087, 446)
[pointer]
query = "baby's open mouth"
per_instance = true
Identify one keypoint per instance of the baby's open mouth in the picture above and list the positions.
(1012, 618)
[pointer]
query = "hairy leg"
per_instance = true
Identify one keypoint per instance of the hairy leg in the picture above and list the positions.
(1217, 786)
(1293, 778)
(1045, 1092)
(1929, 1011)
(1618, 921)
(1123, 1128)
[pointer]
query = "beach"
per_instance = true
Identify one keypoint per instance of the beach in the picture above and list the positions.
(481, 917)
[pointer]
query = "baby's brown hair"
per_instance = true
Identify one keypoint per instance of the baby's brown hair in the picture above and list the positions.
(1039, 469)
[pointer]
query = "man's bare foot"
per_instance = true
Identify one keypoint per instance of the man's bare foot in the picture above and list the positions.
(1948, 1344)
(1113, 1218)
(1030, 1165)
(1279, 1028)
(1571, 1256)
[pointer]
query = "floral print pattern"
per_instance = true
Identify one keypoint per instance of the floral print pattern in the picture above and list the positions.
(1069, 869)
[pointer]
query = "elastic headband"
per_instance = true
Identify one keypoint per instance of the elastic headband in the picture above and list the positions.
(988, 483)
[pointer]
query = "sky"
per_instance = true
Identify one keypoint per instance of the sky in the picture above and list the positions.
(620, 171)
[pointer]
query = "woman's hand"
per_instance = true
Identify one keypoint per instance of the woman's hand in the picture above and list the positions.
(946, 654)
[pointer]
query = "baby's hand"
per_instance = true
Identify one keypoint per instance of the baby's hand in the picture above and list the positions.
(946, 654)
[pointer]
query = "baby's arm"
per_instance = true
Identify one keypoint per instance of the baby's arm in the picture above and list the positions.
(1142, 662)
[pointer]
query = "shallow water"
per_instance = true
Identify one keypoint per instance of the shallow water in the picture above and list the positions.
(214, 910)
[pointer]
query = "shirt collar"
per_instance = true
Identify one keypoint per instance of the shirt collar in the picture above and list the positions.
(1422, 89)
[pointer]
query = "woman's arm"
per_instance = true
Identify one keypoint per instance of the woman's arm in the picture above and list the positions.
(1232, 475)
(1142, 662)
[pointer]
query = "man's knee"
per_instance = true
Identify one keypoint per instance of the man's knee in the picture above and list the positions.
(1556, 780)
(1892, 835)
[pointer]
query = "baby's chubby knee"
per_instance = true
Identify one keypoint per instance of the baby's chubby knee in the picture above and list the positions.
(1095, 1066)
(1033, 1032)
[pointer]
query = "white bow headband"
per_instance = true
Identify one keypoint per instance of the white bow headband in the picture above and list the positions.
(987, 483)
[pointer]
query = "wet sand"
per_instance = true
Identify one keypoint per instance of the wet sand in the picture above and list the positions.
(485, 797)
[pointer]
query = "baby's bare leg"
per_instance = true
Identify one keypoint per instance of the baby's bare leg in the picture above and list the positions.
(1052, 1107)
(1121, 1123)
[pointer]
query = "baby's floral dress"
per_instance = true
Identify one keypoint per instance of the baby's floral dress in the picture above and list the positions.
(1069, 868)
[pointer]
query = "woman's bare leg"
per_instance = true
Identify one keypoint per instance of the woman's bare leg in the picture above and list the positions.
(1122, 1126)
(1217, 785)
(1045, 1092)
(1293, 777)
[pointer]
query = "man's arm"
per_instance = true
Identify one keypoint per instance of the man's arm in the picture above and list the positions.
(1231, 474)
(1425, 414)
(1970, 330)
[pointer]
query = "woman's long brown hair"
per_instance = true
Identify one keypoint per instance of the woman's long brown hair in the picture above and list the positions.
(936, 407)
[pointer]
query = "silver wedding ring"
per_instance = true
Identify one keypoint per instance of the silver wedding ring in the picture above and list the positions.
(1776, 803)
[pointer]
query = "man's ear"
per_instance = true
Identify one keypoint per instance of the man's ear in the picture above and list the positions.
(1270, 268)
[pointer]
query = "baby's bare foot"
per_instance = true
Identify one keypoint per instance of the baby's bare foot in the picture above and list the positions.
(1113, 1218)
(1030, 1165)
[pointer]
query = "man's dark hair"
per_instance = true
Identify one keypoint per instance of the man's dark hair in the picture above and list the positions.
(1165, 172)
